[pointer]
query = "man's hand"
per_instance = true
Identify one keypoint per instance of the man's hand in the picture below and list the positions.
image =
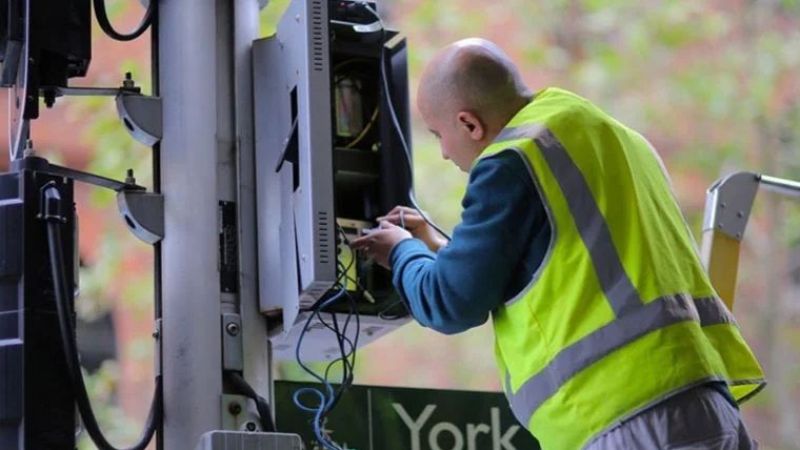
(378, 244)
(416, 224)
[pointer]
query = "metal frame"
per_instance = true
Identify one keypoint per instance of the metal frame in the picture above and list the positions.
(729, 202)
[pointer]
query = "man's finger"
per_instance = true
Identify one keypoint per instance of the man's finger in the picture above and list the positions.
(360, 242)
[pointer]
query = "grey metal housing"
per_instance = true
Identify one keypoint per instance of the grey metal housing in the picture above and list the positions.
(292, 108)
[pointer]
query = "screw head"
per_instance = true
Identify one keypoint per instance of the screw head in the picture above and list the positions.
(234, 408)
(250, 426)
(232, 328)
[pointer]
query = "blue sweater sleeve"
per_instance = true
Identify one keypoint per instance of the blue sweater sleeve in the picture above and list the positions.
(456, 289)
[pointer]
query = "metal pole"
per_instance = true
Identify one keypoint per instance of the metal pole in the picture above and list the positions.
(191, 310)
(257, 363)
(789, 188)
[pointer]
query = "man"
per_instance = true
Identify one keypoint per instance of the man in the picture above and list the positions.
(608, 334)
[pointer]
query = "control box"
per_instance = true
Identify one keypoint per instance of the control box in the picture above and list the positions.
(333, 154)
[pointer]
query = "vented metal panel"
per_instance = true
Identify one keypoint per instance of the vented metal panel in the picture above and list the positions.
(317, 36)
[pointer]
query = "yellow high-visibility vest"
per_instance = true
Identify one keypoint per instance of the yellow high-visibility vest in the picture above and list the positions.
(620, 314)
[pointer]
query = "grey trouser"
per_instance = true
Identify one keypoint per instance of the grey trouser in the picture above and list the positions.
(701, 418)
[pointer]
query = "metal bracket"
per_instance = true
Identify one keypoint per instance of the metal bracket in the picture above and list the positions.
(728, 204)
(141, 115)
(730, 200)
(237, 416)
(91, 91)
(42, 165)
(143, 213)
(232, 349)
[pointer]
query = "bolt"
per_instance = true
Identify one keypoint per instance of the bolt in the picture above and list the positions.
(297, 18)
(129, 178)
(234, 408)
(722, 205)
(156, 334)
(128, 81)
(740, 214)
(250, 426)
(28, 150)
(232, 328)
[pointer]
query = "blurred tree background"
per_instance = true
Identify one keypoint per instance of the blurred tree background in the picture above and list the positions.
(714, 84)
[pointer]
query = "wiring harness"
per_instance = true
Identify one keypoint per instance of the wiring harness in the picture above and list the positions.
(326, 398)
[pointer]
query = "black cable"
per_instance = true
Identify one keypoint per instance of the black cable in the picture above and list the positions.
(156, 163)
(396, 123)
(51, 213)
(105, 24)
(244, 388)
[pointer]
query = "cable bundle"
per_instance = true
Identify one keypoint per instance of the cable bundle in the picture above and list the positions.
(327, 397)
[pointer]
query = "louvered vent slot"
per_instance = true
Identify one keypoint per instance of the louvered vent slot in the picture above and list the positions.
(317, 36)
(324, 237)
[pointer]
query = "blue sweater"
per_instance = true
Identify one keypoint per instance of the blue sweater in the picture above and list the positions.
(501, 241)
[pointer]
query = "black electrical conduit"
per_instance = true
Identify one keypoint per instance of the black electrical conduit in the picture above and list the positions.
(243, 388)
(102, 19)
(51, 213)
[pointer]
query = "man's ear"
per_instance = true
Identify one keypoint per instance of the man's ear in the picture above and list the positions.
(472, 124)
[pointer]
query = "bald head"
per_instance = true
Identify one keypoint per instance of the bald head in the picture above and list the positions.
(473, 75)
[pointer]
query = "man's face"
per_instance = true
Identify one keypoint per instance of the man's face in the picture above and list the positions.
(453, 138)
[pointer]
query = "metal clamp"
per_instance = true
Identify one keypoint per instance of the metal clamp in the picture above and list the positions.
(232, 349)
(141, 115)
(143, 213)
(728, 204)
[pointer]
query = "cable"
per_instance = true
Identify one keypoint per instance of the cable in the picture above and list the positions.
(327, 397)
(396, 123)
(105, 24)
(51, 214)
(244, 388)
(364, 131)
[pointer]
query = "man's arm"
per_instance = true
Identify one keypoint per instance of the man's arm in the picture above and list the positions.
(457, 288)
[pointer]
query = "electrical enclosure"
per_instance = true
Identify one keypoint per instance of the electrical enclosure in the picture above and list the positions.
(330, 159)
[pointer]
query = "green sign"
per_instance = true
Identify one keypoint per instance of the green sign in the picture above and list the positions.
(380, 418)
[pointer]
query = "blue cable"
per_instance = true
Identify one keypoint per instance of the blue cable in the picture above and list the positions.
(325, 398)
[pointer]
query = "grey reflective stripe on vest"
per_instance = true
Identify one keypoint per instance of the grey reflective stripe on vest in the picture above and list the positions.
(634, 318)
(713, 312)
(587, 216)
(568, 362)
